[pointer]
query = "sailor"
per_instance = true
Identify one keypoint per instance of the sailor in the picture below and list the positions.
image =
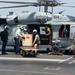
(65, 33)
(48, 34)
(36, 39)
(74, 46)
(74, 38)
(18, 37)
(25, 31)
(4, 38)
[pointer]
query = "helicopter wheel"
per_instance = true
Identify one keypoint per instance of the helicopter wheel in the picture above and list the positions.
(55, 49)
(21, 52)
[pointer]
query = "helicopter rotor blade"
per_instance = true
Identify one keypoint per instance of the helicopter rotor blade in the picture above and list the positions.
(18, 6)
(51, 4)
(34, 3)
(68, 6)
(16, 2)
(15, 6)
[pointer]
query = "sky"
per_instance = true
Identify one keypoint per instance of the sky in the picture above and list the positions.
(68, 10)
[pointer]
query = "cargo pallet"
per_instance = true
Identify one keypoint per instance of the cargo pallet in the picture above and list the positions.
(25, 51)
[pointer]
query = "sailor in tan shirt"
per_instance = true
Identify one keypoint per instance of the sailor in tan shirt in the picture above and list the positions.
(36, 39)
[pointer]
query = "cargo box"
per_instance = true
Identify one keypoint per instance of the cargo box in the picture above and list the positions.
(73, 47)
(28, 40)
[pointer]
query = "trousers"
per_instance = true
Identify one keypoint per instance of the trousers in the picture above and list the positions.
(4, 46)
(17, 44)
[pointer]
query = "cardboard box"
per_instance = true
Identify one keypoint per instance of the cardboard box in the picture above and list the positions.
(28, 40)
(73, 47)
(74, 39)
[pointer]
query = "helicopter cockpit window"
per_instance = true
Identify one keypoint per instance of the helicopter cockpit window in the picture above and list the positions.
(16, 20)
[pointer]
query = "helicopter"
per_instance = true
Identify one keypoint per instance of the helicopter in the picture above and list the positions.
(35, 20)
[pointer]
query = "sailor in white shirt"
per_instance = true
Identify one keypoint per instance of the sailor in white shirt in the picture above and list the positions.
(18, 37)
(18, 33)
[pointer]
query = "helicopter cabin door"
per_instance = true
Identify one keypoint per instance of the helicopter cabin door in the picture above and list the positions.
(43, 37)
(39, 27)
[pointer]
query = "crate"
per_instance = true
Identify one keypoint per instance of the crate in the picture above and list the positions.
(74, 47)
(28, 40)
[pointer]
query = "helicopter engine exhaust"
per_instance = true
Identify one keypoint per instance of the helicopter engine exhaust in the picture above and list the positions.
(11, 20)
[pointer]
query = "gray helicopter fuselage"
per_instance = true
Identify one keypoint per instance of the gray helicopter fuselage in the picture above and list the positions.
(23, 19)
(39, 17)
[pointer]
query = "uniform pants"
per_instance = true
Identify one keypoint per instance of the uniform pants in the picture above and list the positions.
(17, 44)
(4, 46)
(73, 52)
(49, 39)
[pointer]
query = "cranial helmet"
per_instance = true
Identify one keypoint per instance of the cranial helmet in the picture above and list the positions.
(25, 29)
(21, 28)
(34, 31)
(6, 27)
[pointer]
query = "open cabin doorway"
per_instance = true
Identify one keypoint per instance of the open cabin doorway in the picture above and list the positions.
(61, 30)
(39, 27)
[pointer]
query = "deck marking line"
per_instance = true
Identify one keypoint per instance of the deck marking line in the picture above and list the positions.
(33, 72)
(72, 62)
(48, 68)
(58, 68)
(66, 60)
(31, 59)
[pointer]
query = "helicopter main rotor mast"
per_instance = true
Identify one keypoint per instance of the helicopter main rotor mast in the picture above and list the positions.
(47, 3)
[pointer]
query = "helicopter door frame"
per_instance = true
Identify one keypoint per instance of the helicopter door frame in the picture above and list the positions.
(43, 38)
(40, 27)
(61, 29)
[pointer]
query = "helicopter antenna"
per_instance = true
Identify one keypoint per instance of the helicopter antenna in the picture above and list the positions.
(61, 12)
